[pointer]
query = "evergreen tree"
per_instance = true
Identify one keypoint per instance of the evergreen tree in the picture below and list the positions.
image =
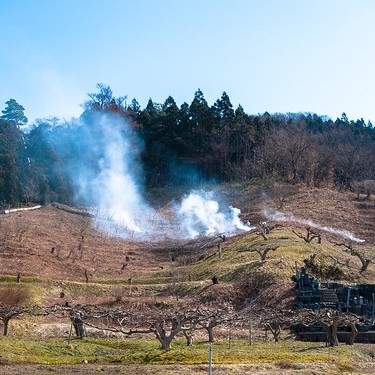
(224, 108)
(202, 119)
(171, 111)
(135, 107)
(14, 113)
(12, 165)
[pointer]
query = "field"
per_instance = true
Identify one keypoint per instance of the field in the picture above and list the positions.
(144, 357)
(63, 257)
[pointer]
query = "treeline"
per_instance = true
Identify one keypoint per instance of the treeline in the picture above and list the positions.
(183, 145)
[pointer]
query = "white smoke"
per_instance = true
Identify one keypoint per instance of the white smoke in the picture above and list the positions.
(279, 216)
(108, 179)
(116, 190)
(201, 214)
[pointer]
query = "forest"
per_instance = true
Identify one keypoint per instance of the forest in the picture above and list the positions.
(176, 146)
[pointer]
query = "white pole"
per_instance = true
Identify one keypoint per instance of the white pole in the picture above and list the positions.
(250, 333)
(210, 360)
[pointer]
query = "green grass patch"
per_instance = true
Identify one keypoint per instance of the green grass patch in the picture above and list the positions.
(237, 261)
(13, 279)
(16, 350)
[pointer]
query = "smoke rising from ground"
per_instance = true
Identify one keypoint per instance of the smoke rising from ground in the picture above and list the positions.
(106, 175)
(201, 214)
(279, 216)
(115, 188)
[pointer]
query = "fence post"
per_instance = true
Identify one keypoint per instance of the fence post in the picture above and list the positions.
(210, 360)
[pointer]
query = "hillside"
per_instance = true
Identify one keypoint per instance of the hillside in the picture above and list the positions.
(27, 240)
(89, 267)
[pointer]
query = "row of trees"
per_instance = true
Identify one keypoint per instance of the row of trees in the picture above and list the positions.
(184, 144)
(167, 323)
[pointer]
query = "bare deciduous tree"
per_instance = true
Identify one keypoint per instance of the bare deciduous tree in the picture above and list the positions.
(216, 241)
(364, 258)
(276, 320)
(330, 320)
(213, 317)
(262, 252)
(310, 235)
(264, 229)
(165, 323)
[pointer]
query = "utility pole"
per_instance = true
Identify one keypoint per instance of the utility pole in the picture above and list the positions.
(250, 333)
(210, 359)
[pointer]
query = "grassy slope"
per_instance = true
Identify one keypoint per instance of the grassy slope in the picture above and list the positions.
(191, 280)
(235, 264)
(56, 351)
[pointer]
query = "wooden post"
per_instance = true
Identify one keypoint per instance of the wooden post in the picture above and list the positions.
(70, 333)
(86, 276)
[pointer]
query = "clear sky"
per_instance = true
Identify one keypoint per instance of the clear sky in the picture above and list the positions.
(268, 55)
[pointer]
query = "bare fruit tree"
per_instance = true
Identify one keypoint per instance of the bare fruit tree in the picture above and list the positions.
(364, 258)
(213, 317)
(311, 234)
(164, 323)
(262, 252)
(330, 320)
(275, 321)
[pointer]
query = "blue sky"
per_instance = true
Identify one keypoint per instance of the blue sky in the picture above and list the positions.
(268, 55)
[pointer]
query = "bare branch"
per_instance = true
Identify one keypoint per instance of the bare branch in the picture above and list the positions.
(364, 258)
(262, 252)
(310, 236)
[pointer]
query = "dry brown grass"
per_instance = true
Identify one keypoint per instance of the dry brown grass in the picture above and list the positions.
(27, 238)
(16, 295)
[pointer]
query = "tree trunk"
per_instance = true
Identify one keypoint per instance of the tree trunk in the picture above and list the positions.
(164, 339)
(275, 330)
(79, 328)
(332, 335)
(189, 338)
(210, 331)
(365, 263)
(6, 325)
(219, 249)
(165, 342)
(331, 330)
(353, 333)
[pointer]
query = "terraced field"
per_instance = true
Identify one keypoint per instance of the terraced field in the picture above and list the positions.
(63, 257)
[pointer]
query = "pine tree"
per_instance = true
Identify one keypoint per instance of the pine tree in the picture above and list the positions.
(14, 113)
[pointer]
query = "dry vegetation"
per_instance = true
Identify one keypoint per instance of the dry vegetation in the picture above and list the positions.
(63, 256)
(27, 238)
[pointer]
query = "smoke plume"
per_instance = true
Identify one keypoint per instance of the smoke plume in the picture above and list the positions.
(201, 214)
(279, 216)
(106, 174)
